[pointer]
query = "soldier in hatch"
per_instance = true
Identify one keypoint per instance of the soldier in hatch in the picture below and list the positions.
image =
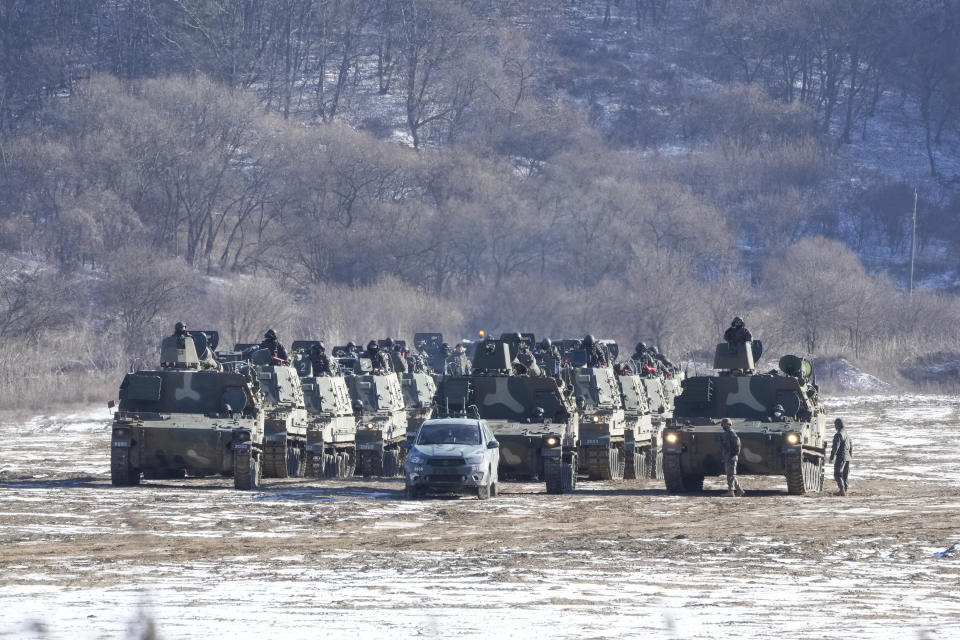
(395, 353)
(737, 334)
(180, 330)
(462, 362)
(840, 456)
(528, 361)
(271, 342)
(595, 354)
(778, 415)
(322, 365)
(537, 416)
(644, 359)
(730, 452)
(380, 361)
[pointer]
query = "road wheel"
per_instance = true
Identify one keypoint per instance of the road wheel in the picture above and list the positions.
(619, 462)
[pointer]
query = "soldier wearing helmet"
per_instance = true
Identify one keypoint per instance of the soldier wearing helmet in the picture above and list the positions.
(352, 350)
(730, 452)
(645, 363)
(180, 330)
(457, 363)
(737, 334)
(398, 358)
(840, 456)
(271, 342)
(595, 354)
(537, 416)
(380, 361)
(322, 365)
(778, 414)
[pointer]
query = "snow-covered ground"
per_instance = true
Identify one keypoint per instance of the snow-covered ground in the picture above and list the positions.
(352, 559)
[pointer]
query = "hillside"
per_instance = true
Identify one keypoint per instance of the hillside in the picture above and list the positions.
(358, 168)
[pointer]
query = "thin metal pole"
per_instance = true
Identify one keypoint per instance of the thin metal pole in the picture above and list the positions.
(913, 242)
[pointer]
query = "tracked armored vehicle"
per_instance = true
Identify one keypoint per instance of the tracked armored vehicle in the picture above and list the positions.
(190, 416)
(331, 448)
(419, 390)
(643, 457)
(531, 446)
(792, 445)
(602, 422)
(285, 422)
(381, 420)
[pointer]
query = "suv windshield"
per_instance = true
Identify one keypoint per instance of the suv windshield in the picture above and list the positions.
(449, 434)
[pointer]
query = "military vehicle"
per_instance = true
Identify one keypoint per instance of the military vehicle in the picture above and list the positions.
(643, 457)
(793, 446)
(331, 449)
(419, 390)
(189, 417)
(285, 422)
(531, 446)
(381, 420)
(602, 421)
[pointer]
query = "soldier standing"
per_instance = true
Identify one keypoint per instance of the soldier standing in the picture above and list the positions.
(730, 452)
(271, 342)
(840, 456)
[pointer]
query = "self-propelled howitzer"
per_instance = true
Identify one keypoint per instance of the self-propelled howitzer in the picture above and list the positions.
(791, 444)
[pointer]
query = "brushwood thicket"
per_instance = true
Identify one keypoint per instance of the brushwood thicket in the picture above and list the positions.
(349, 169)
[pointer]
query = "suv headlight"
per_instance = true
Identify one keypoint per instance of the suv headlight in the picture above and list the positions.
(477, 459)
(415, 457)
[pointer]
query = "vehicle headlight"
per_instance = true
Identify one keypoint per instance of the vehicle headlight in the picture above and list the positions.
(416, 457)
(477, 459)
(596, 418)
(671, 438)
(552, 441)
(793, 438)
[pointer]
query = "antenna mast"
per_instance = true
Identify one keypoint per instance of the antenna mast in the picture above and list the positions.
(913, 242)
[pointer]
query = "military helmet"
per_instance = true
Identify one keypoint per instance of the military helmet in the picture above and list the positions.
(641, 347)
(725, 422)
(838, 423)
(546, 343)
(388, 342)
(779, 408)
(587, 340)
(373, 346)
(538, 411)
(270, 334)
(351, 345)
(654, 350)
(179, 327)
(737, 322)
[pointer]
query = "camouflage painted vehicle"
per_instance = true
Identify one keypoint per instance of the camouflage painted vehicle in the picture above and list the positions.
(189, 417)
(643, 457)
(530, 446)
(381, 420)
(602, 422)
(793, 446)
(419, 390)
(331, 449)
(285, 422)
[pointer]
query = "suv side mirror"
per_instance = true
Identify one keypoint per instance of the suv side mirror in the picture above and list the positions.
(493, 444)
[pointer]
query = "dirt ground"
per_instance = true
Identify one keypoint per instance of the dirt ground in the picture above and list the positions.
(353, 559)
